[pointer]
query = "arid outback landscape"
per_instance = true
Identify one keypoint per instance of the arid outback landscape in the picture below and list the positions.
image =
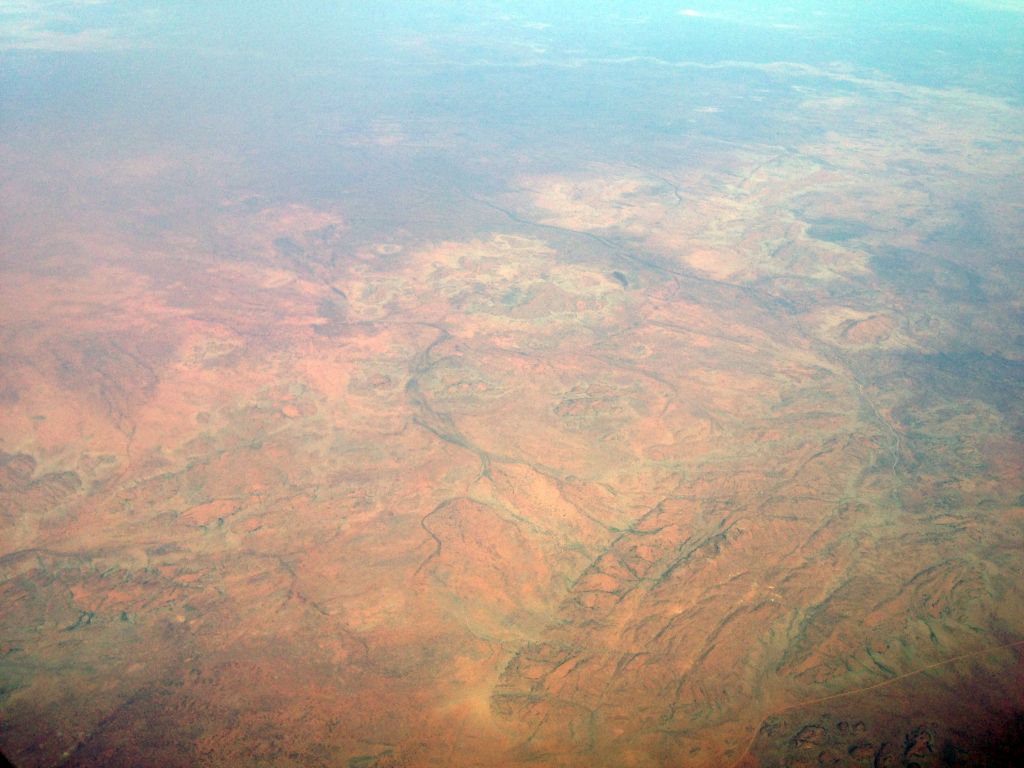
(373, 438)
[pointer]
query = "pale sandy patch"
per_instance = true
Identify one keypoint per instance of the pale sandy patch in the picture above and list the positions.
(718, 264)
(600, 202)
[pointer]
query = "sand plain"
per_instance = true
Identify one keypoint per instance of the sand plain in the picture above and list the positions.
(708, 463)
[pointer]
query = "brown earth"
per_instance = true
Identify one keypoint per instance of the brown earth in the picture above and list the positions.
(641, 473)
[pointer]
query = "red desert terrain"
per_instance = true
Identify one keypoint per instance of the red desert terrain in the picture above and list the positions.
(710, 459)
